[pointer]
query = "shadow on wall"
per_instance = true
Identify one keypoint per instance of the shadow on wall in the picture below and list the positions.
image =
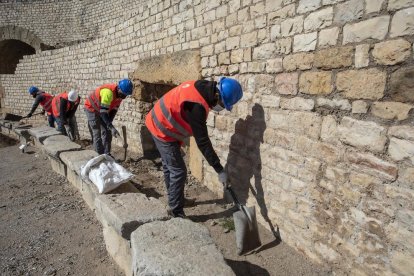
(244, 161)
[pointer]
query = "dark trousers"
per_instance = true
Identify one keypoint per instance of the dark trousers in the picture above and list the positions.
(51, 120)
(175, 173)
(100, 133)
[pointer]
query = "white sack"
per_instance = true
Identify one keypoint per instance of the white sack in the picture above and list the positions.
(105, 173)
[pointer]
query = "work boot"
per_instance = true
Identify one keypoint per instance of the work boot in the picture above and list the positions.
(176, 214)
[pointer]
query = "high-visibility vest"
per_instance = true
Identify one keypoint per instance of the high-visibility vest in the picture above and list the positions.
(165, 120)
(46, 103)
(56, 103)
(93, 100)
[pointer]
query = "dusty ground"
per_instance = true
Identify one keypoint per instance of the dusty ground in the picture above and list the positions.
(45, 227)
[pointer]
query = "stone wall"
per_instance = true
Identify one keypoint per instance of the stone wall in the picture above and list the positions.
(323, 139)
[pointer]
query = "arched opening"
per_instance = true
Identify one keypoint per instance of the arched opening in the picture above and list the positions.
(11, 51)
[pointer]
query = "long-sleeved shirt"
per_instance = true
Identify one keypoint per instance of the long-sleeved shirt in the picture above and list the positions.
(39, 98)
(65, 113)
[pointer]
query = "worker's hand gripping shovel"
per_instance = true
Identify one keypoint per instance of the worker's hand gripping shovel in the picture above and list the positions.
(69, 132)
(125, 144)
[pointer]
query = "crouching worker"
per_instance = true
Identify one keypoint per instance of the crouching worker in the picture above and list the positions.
(180, 113)
(64, 107)
(101, 107)
(45, 100)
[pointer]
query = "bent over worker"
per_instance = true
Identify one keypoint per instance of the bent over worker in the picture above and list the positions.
(45, 100)
(180, 113)
(101, 107)
(64, 106)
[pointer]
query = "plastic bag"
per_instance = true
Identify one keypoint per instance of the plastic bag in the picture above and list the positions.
(105, 173)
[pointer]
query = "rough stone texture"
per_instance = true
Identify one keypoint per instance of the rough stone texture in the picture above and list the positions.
(402, 23)
(391, 110)
(362, 55)
(334, 58)
(360, 107)
(315, 83)
(341, 104)
(373, 165)
(401, 149)
(375, 28)
(54, 145)
(392, 52)
(287, 83)
(328, 37)
(127, 212)
(74, 160)
(318, 20)
(373, 5)
(398, 4)
(297, 103)
(58, 166)
(404, 132)
(43, 132)
(361, 84)
(349, 11)
(176, 247)
(305, 42)
(401, 85)
(292, 26)
(308, 5)
(403, 263)
(301, 61)
(361, 134)
(307, 123)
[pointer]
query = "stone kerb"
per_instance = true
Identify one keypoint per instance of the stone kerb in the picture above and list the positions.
(57, 144)
(42, 132)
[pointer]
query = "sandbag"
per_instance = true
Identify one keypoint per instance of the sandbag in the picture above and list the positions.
(105, 173)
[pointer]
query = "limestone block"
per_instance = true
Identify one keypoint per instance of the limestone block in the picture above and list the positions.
(43, 132)
(328, 37)
(349, 11)
(334, 58)
(362, 55)
(404, 132)
(372, 165)
(308, 5)
(176, 247)
(319, 19)
(273, 5)
(127, 212)
(402, 85)
(195, 161)
(391, 110)
(402, 263)
(398, 4)
(74, 179)
(297, 103)
(236, 56)
(274, 65)
(406, 178)
(248, 40)
(375, 28)
(341, 104)
(305, 42)
(316, 83)
(327, 252)
(54, 145)
(57, 166)
(329, 129)
(398, 234)
(361, 134)
(265, 51)
(74, 160)
(292, 26)
(270, 101)
(300, 61)
(392, 52)
(359, 107)
(224, 58)
(287, 83)
(285, 12)
(361, 84)
(326, 152)
(232, 43)
(373, 5)
(284, 46)
(400, 149)
(402, 23)
(307, 123)
(89, 193)
(329, 2)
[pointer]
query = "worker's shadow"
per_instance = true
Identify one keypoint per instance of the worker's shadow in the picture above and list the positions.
(244, 164)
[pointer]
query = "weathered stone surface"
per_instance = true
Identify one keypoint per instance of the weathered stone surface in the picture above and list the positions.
(334, 58)
(274, 65)
(265, 51)
(392, 52)
(315, 83)
(375, 28)
(304, 42)
(176, 247)
(287, 83)
(329, 130)
(297, 103)
(363, 135)
(400, 149)
(127, 212)
(270, 101)
(406, 178)
(402, 23)
(292, 26)
(74, 160)
(319, 19)
(402, 85)
(54, 145)
(404, 132)
(362, 55)
(328, 253)
(398, 4)
(373, 5)
(372, 165)
(349, 11)
(359, 107)
(41, 133)
(328, 37)
(391, 110)
(308, 5)
(341, 104)
(307, 123)
(362, 84)
(402, 263)
(300, 61)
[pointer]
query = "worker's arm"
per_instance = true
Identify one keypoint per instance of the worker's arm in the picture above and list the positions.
(196, 117)
(36, 103)
(72, 111)
(112, 114)
(106, 100)
(63, 110)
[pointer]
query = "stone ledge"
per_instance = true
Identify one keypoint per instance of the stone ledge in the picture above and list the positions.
(43, 132)
(74, 160)
(57, 144)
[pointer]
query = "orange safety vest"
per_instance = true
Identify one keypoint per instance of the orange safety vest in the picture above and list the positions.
(165, 120)
(56, 103)
(46, 103)
(93, 100)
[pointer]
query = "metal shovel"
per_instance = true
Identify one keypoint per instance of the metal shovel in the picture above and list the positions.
(245, 223)
(125, 144)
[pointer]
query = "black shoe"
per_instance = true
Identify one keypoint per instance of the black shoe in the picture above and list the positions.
(176, 214)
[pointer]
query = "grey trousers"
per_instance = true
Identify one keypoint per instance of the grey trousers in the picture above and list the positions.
(101, 135)
(175, 173)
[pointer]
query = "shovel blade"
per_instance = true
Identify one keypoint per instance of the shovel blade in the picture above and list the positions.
(247, 233)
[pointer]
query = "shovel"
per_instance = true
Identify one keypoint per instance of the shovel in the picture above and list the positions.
(125, 145)
(245, 223)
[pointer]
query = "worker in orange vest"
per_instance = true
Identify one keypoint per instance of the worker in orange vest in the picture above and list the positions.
(45, 100)
(64, 106)
(101, 107)
(180, 113)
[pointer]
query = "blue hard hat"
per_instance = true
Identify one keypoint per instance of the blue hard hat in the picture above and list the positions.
(230, 91)
(126, 86)
(33, 89)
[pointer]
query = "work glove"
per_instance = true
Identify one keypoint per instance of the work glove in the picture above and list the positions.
(114, 132)
(222, 176)
(29, 115)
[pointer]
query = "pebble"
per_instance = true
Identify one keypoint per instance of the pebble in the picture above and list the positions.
(226, 230)
(213, 223)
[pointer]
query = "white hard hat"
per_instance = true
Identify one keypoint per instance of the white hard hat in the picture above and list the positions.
(73, 95)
